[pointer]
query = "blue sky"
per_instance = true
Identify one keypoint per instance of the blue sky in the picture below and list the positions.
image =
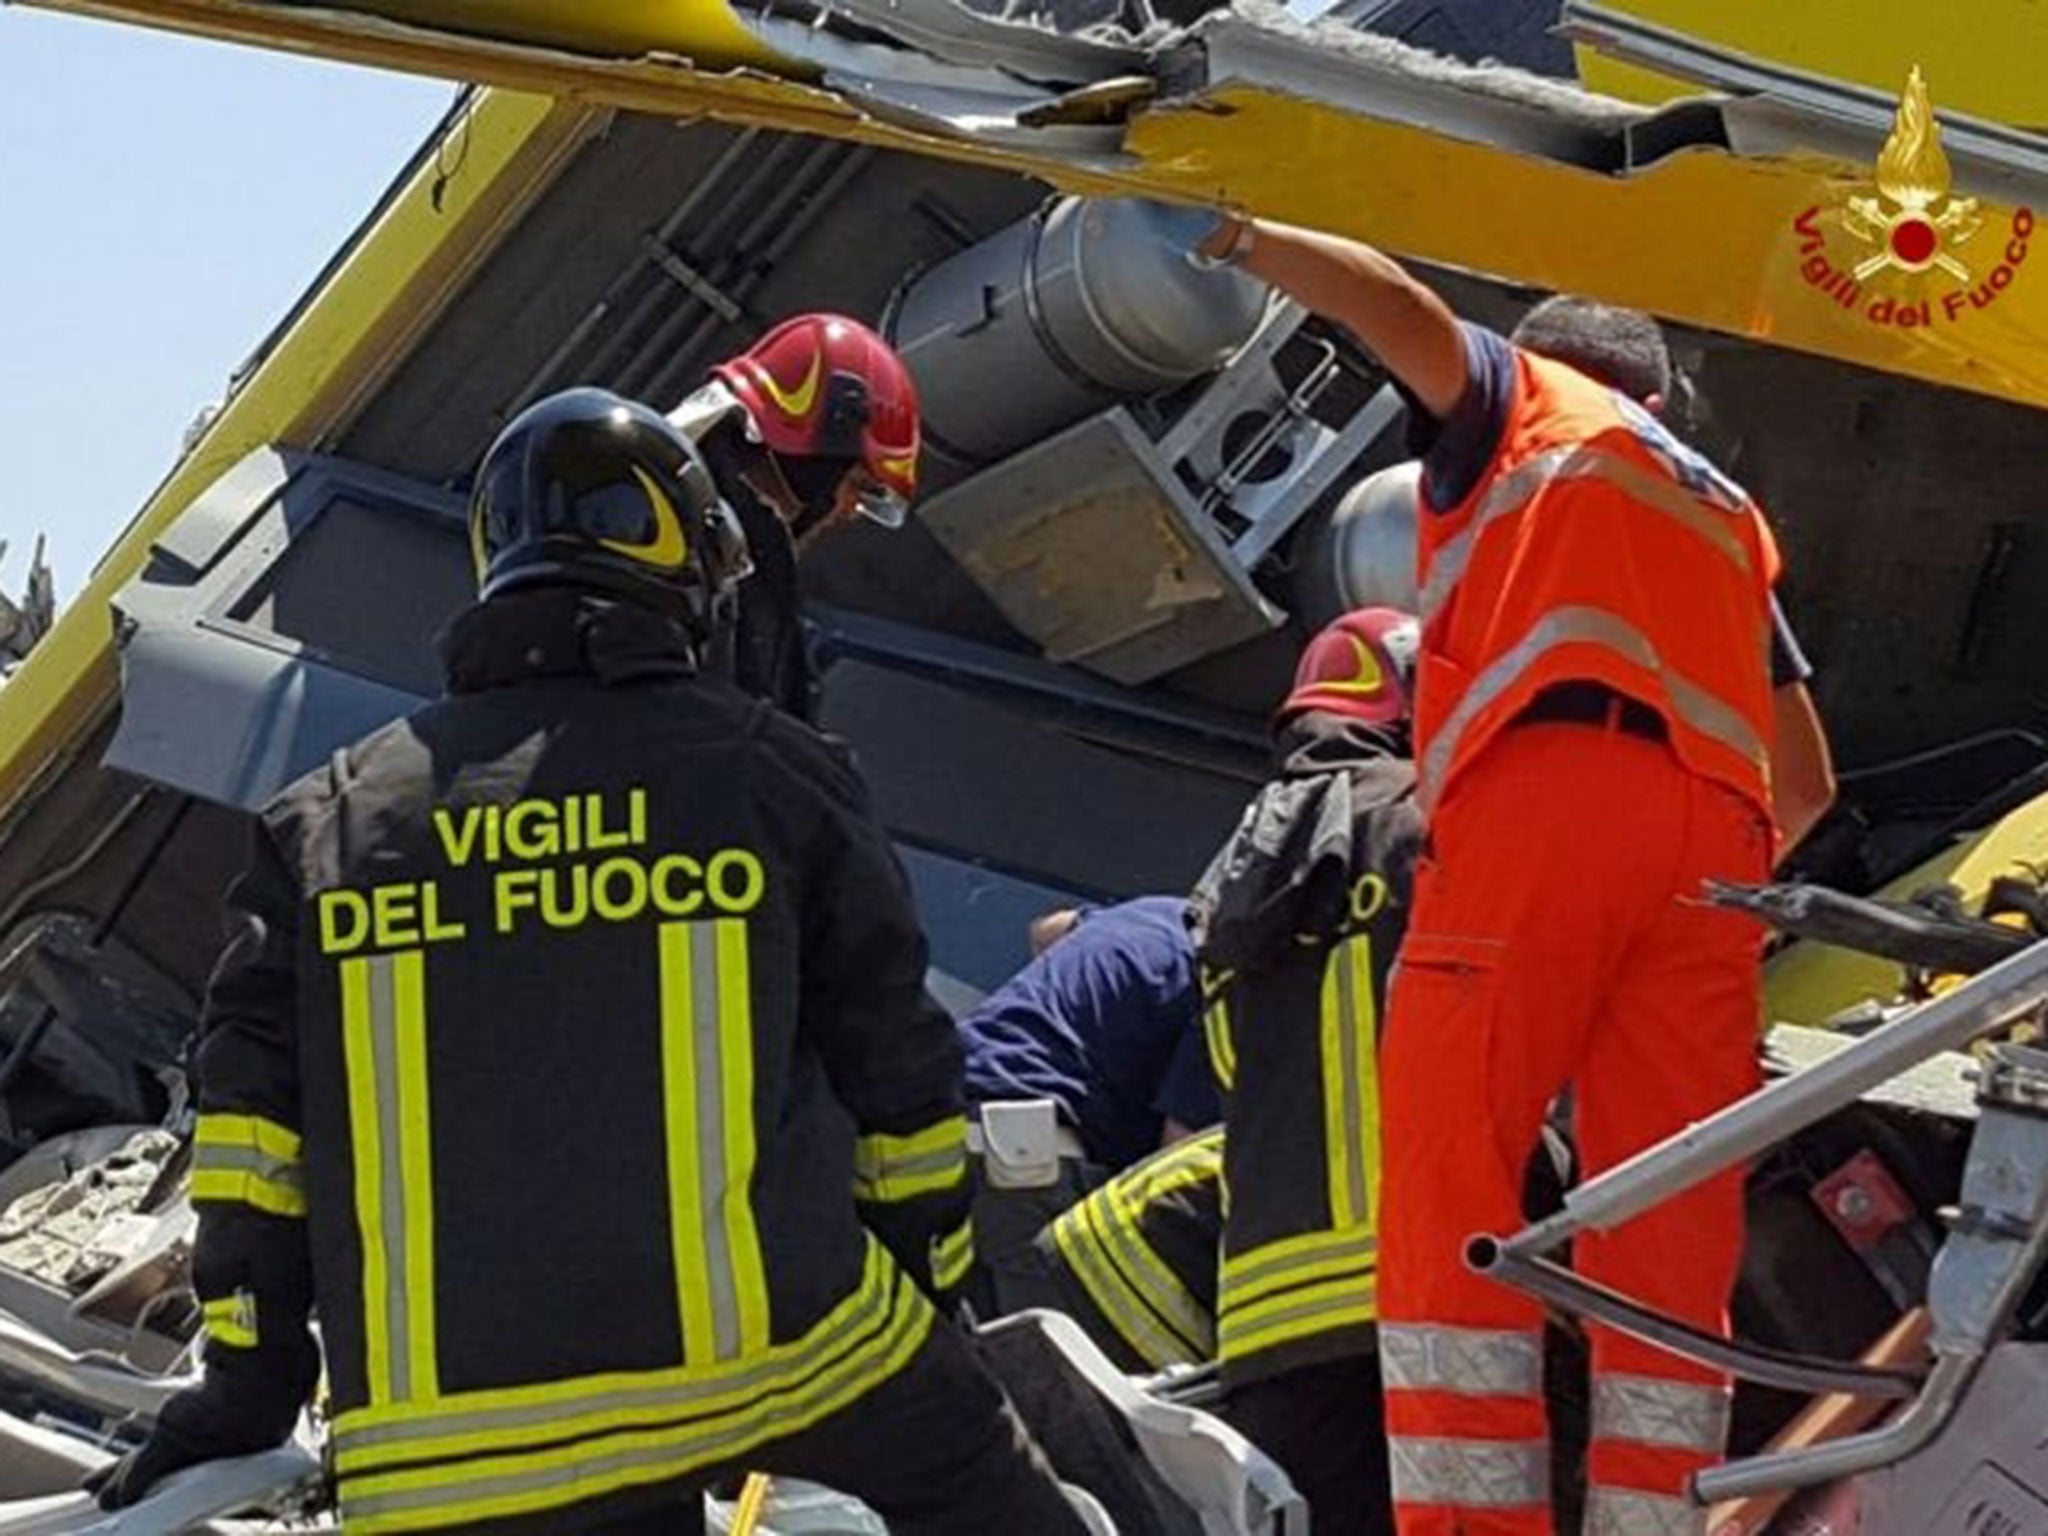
(163, 202)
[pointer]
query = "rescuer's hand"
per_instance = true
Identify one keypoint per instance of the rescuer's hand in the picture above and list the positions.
(131, 1479)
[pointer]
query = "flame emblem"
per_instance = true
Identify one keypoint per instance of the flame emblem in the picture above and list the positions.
(1912, 221)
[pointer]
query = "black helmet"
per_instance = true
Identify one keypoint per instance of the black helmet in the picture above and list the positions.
(588, 489)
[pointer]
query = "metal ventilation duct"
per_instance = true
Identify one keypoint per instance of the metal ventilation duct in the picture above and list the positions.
(1048, 321)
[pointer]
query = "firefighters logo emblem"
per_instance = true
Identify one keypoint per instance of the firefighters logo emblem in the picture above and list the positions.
(1913, 221)
(1892, 252)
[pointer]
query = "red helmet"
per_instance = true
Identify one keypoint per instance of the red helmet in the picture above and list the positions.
(1361, 666)
(824, 386)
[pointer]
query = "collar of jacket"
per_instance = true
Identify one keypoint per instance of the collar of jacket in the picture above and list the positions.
(1321, 742)
(560, 632)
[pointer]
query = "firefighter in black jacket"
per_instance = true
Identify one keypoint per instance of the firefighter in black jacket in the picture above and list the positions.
(571, 1043)
(812, 426)
(1135, 1258)
(1297, 921)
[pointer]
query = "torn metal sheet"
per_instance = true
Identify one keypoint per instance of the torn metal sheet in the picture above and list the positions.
(1977, 57)
(1780, 109)
(988, 117)
(959, 34)
(1257, 43)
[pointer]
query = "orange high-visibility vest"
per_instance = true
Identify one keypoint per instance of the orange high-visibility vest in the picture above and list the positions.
(1596, 547)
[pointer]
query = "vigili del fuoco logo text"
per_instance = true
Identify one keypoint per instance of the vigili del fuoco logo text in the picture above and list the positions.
(1911, 225)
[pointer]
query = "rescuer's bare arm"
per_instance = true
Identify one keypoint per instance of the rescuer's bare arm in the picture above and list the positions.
(1400, 321)
(1802, 770)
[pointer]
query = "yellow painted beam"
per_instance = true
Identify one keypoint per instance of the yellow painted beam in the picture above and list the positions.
(763, 91)
(1704, 237)
(1811, 983)
(703, 30)
(1981, 57)
(391, 286)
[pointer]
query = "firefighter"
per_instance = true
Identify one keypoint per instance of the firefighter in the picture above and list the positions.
(812, 426)
(570, 1045)
(1297, 920)
(1135, 1258)
(1084, 1061)
(1602, 724)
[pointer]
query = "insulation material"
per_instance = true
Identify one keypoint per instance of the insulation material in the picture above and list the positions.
(76, 1232)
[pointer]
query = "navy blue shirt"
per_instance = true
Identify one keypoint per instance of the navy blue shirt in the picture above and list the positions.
(1107, 1024)
(1456, 451)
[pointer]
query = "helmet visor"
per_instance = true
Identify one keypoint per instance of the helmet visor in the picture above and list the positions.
(861, 492)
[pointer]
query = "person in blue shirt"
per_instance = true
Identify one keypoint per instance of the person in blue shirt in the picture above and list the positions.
(1085, 1061)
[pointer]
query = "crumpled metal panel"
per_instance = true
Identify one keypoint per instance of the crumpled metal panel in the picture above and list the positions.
(1089, 545)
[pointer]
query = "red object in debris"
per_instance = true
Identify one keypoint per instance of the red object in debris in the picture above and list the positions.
(1915, 240)
(1863, 1202)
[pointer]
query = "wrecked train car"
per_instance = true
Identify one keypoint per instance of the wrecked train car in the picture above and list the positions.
(1147, 487)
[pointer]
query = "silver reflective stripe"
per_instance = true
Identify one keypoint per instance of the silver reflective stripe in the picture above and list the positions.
(248, 1160)
(1317, 1253)
(1473, 1362)
(1577, 461)
(1154, 1281)
(1645, 1410)
(1470, 1474)
(1287, 1316)
(537, 1480)
(1579, 625)
(1085, 1246)
(558, 1412)
(705, 988)
(1625, 1512)
(880, 1173)
(1354, 1154)
(391, 1183)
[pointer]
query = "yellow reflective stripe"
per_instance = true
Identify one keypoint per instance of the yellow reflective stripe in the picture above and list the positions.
(679, 1103)
(1080, 1241)
(1193, 1160)
(273, 1141)
(953, 1256)
(1336, 1164)
(384, 1027)
(1153, 1278)
(549, 1412)
(1350, 1083)
(1222, 1049)
(416, 1169)
(708, 1109)
(888, 1169)
(361, 1056)
(1292, 1260)
(1365, 1073)
(494, 1487)
(225, 1186)
(231, 1320)
(1289, 1315)
(736, 1037)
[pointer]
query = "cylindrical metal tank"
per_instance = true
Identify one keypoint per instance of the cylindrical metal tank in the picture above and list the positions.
(1056, 317)
(1363, 554)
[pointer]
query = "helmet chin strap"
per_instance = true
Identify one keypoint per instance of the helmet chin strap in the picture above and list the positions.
(812, 487)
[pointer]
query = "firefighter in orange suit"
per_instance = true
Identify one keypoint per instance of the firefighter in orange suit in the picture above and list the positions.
(1603, 722)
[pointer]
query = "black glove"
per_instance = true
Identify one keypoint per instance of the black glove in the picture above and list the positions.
(131, 1479)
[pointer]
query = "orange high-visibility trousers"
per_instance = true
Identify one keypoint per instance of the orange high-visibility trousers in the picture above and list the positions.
(1558, 938)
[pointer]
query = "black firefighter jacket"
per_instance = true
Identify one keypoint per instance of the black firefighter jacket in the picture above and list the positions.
(1297, 921)
(572, 1042)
